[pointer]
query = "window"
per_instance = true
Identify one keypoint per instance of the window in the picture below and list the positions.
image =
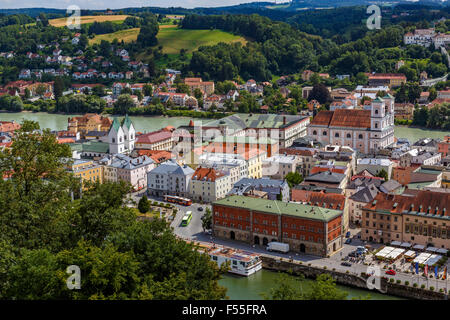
(336, 134)
(349, 135)
(315, 132)
(376, 111)
(360, 136)
(324, 133)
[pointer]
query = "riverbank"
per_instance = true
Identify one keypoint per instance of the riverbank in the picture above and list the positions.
(350, 279)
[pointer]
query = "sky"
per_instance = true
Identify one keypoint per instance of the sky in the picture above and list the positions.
(117, 4)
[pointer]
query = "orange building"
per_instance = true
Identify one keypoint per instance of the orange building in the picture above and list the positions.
(88, 122)
(444, 146)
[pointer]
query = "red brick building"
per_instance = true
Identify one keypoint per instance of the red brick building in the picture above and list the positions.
(308, 229)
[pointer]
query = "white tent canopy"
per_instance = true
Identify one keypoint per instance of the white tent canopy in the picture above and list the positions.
(442, 251)
(396, 243)
(419, 247)
(410, 253)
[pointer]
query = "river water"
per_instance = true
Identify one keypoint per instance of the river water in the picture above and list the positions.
(238, 287)
(147, 124)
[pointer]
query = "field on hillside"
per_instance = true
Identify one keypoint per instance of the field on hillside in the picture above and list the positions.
(174, 39)
(127, 35)
(61, 22)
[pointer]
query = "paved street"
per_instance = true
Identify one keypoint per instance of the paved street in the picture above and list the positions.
(194, 232)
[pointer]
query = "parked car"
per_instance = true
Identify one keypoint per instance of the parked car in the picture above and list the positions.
(200, 209)
(348, 241)
(347, 235)
(346, 264)
(391, 272)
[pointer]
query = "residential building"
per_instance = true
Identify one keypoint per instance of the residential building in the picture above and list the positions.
(209, 184)
(421, 219)
(88, 122)
(278, 166)
(197, 83)
(156, 140)
(169, 178)
(326, 179)
(87, 170)
(375, 166)
(387, 79)
(120, 167)
(274, 189)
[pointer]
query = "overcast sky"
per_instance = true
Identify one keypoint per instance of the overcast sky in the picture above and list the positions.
(117, 4)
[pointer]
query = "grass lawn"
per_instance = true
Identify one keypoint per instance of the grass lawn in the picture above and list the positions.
(125, 35)
(61, 22)
(174, 39)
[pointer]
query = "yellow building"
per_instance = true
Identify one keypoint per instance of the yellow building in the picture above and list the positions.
(87, 170)
(254, 158)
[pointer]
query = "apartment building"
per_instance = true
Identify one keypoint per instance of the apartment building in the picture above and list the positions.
(422, 219)
(209, 184)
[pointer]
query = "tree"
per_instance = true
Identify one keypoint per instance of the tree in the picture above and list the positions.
(324, 288)
(293, 179)
(148, 90)
(143, 205)
(320, 93)
(207, 220)
(123, 104)
(287, 289)
(40, 90)
(58, 87)
(383, 174)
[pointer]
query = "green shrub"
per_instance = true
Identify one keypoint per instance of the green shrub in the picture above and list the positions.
(415, 285)
(324, 267)
(441, 290)
(398, 281)
(391, 280)
(422, 286)
(407, 283)
(347, 271)
(432, 288)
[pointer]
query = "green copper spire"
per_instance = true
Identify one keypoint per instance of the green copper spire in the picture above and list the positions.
(127, 121)
(116, 124)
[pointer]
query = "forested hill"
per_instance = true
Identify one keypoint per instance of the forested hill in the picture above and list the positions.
(276, 48)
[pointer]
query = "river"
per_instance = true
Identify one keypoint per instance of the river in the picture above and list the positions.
(250, 288)
(147, 124)
(238, 287)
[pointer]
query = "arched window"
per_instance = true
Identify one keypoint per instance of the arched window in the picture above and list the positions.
(376, 125)
(324, 133)
(376, 111)
(336, 134)
(349, 135)
(314, 132)
(113, 140)
(360, 136)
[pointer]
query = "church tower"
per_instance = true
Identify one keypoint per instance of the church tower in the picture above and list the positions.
(129, 133)
(116, 138)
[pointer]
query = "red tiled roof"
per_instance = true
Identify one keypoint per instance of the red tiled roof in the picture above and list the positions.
(7, 126)
(423, 198)
(154, 137)
(351, 118)
(323, 118)
(343, 118)
(208, 174)
(156, 155)
(331, 200)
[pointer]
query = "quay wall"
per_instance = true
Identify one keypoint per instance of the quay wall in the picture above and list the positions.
(349, 279)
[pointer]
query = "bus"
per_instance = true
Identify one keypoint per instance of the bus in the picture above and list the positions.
(178, 200)
(186, 219)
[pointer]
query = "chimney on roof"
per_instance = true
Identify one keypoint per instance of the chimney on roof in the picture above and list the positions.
(284, 119)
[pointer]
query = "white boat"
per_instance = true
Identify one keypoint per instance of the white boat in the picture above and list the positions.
(242, 262)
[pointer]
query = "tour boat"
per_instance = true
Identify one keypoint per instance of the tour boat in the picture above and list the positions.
(242, 262)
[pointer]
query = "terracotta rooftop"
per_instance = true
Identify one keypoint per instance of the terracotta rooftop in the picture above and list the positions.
(319, 199)
(343, 118)
(206, 174)
(426, 203)
(154, 137)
